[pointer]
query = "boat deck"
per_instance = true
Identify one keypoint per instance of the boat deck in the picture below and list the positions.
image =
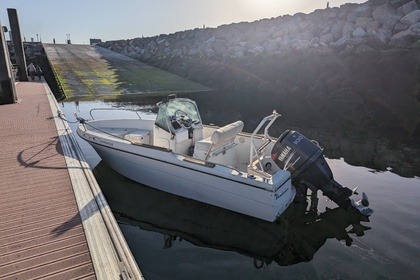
(54, 221)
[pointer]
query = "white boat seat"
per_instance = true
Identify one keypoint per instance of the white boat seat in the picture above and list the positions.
(221, 140)
(138, 136)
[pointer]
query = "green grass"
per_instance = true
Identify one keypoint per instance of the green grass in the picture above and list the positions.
(87, 72)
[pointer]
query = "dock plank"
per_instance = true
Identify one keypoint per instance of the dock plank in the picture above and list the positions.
(54, 221)
(34, 182)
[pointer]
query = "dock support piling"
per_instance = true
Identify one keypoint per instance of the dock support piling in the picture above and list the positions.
(7, 81)
(17, 45)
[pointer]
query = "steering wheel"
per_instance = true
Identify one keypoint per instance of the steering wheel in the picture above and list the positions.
(183, 119)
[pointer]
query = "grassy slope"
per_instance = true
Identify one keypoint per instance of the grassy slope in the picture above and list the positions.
(87, 72)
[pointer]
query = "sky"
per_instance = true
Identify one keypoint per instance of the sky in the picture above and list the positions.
(127, 19)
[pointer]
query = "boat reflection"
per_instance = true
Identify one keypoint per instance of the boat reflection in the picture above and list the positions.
(295, 237)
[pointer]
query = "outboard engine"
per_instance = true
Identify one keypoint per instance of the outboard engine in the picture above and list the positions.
(305, 161)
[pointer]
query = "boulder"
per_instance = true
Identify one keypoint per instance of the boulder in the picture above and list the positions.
(359, 33)
(386, 15)
(256, 50)
(402, 39)
(293, 28)
(397, 3)
(377, 40)
(349, 49)
(386, 32)
(348, 7)
(347, 29)
(219, 47)
(326, 39)
(415, 29)
(279, 33)
(314, 41)
(372, 25)
(408, 8)
(337, 29)
(151, 45)
(238, 54)
(411, 18)
(399, 27)
(192, 52)
(305, 25)
(362, 21)
(360, 11)
(299, 44)
(326, 30)
(340, 44)
(304, 36)
(176, 52)
(271, 46)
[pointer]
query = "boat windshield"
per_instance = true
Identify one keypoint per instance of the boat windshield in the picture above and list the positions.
(169, 111)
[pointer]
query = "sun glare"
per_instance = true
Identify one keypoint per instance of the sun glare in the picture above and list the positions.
(270, 8)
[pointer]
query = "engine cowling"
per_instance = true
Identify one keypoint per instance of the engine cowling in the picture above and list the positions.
(304, 159)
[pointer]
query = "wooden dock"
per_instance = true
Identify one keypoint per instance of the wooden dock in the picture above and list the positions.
(54, 221)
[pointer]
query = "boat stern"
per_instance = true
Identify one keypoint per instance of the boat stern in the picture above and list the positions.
(283, 191)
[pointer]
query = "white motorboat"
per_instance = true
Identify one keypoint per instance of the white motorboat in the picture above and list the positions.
(174, 152)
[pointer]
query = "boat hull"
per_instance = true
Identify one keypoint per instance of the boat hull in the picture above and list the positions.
(162, 170)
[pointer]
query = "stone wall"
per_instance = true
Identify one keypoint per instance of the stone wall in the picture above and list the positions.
(376, 24)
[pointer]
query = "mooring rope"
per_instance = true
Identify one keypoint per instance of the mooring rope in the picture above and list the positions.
(83, 121)
(60, 115)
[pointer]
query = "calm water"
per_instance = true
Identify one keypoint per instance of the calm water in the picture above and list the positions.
(175, 238)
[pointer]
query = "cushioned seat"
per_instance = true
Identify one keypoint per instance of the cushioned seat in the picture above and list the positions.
(221, 140)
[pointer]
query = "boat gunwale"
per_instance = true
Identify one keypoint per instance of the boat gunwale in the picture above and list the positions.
(273, 189)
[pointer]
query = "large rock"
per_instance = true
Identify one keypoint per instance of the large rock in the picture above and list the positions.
(387, 16)
(362, 21)
(279, 33)
(271, 46)
(337, 29)
(359, 33)
(326, 39)
(340, 44)
(299, 44)
(415, 29)
(399, 27)
(377, 39)
(411, 18)
(219, 47)
(348, 29)
(360, 11)
(305, 25)
(372, 25)
(402, 39)
(408, 8)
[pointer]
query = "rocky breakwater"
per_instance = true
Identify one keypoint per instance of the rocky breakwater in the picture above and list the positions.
(376, 24)
(352, 70)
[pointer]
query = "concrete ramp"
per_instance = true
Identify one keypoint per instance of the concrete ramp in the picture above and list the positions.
(89, 72)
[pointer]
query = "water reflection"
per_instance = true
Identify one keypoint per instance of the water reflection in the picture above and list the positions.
(294, 238)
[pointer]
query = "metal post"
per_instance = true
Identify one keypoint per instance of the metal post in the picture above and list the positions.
(18, 45)
(7, 82)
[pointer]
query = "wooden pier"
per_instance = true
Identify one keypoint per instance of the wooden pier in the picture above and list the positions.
(54, 221)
